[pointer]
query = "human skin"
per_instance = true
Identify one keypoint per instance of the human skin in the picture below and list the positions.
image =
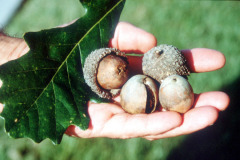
(110, 120)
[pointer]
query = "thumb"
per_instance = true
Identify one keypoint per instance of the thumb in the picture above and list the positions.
(11, 48)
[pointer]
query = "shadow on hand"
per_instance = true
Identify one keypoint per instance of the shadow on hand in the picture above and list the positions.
(220, 141)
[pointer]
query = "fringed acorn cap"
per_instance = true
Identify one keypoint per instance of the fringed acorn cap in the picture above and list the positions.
(163, 61)
(90, 71)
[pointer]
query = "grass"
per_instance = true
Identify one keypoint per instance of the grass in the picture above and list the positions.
(185, 24)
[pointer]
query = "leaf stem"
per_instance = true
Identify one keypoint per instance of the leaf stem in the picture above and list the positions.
(134, 55)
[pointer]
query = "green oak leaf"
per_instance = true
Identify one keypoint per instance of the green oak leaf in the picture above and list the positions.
(44, 91)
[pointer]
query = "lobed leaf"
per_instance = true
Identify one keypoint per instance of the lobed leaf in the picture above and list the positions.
(44, 91)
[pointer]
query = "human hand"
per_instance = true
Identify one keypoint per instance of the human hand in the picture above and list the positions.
(109, 120)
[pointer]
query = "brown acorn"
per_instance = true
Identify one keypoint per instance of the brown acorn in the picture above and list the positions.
(163, 61)
(105, 71)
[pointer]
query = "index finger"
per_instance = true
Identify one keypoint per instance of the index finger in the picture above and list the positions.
(129, 38)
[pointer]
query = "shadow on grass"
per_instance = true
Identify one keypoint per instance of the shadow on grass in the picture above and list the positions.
(220, 141)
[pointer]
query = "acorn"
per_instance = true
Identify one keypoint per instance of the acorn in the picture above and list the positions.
(176, 94)
(163, 61)
(105, 71)
(139, 95)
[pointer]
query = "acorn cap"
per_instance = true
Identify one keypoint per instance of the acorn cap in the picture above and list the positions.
(90, 70)
(163, 61)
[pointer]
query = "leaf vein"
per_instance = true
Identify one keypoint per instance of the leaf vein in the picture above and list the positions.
(55, 106)
(71, 88)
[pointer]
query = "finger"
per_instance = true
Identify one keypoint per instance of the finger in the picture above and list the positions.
(140, 125)
(15, 47)
(132, 126)
(198, 59)
(194, 120)
(219, 100)
(99, 114)
(11, 48)
(129, 38)
(204, 60)
(123, 125)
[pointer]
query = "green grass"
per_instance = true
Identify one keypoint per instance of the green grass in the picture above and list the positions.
(185, 24)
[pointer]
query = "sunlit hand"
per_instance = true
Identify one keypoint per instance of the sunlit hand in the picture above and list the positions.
(109, 120)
